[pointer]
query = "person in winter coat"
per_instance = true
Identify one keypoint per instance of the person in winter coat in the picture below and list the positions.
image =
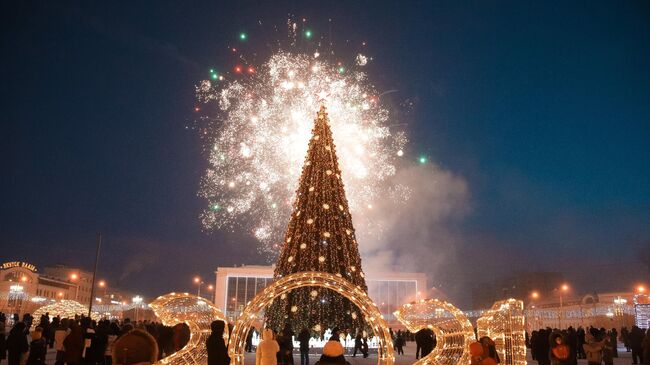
(303, 337)
(645, 345)
(540, 347)
(249, 340)
(608, 348)
(113, 332)
(73, 345)
(216, 346)
(560, 352)
(3, 338)
(358, 345)
(333, 351)
(37, 348)
(60, 333)
(636, 339)
(571, 337)
(17, 344)
(489, 348)
(593, 348)
(613, 336)
(135, 347)
(398, 343)
(267, 349)
(285, 341)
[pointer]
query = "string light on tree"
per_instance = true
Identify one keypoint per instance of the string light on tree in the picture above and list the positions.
(337, 251)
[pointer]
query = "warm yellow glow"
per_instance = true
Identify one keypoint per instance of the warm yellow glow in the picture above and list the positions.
(74, 276)
(197, 313)
(565, 287)
(453, 330)
(355, 294)
(504, 323)
(197, 279)
(102, 283)
(64, 309)
(640, 289)
(535, 295)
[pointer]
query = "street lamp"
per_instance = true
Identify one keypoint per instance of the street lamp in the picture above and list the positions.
(563, 289)
(640, 289)
(199, 282)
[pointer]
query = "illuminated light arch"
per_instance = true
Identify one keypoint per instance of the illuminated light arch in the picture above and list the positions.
(355, 294)
(504, 323)
(64, 309)
(197, 313)
(453, 330)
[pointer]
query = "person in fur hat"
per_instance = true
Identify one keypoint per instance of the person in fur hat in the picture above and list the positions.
(333, 351)
(135, 347)
(267, 349)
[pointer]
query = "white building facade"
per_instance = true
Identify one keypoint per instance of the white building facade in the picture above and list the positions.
(236, 286)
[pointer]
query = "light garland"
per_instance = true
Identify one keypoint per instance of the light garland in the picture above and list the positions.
(65, 309)
(198, 313)
(453, 330)
(321, 239)
(504, 323)
(355, 294)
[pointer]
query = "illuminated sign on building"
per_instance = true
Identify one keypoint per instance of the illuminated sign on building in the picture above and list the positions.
(13, 264)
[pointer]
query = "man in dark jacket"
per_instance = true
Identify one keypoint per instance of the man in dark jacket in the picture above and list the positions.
(540, 347)
(17, 343)
(216, 346)
(303, 338)
(37, 348)
(636, 340)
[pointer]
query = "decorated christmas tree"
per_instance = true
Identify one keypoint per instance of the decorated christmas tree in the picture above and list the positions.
(320, 237)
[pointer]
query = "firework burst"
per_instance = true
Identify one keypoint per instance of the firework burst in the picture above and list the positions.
(259, 137)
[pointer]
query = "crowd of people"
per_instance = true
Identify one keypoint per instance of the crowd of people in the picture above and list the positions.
(596, 345)
(83, 341)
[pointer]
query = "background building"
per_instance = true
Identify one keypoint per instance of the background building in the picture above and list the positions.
(23, 288)
(606, 310)
(236, 286)
(81, 278)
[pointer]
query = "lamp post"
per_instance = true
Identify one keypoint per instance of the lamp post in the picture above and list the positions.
(563, 289)
(199, 282)
(210, 289)
(73, 277)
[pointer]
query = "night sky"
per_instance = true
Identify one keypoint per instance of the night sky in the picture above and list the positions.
(543, 109)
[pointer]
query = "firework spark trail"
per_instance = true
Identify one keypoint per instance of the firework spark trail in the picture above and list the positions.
(259, 140)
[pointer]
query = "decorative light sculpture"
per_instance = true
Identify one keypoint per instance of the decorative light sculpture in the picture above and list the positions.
(65, 309)
(197, 313)
(453, 330)
(504, 323)
(354, 293)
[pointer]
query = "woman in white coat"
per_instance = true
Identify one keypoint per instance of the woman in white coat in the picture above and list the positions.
(267, 349)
